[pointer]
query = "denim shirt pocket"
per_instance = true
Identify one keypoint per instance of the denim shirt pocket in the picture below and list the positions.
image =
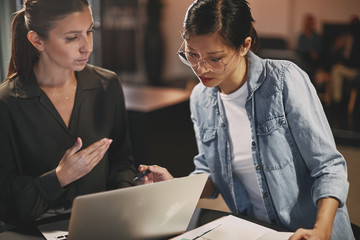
(271, 125)
(207, 134)
(209, 141)
(276, 144)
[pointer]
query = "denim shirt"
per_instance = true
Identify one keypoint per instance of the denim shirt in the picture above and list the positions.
(293, 149)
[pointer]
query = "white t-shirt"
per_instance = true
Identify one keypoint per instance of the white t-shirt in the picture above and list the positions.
(240, 140)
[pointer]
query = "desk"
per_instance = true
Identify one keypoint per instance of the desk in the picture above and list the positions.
(199, 218)
(161, 130)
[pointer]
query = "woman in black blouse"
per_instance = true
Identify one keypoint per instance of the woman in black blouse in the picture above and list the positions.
(63, 123)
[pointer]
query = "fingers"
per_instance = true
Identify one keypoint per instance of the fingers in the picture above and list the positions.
(146, 179)
(300, 234)
(98, 146)
(76, 147)
(75, 164)
(160, 173)
(157, 173)
(153, 168)
(97, 150)
(93, 154)
(142, 168)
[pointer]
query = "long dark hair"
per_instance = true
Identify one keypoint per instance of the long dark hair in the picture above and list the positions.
(38, 16)
(231, 19)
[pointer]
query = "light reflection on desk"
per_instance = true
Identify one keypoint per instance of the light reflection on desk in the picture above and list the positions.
(146, 99)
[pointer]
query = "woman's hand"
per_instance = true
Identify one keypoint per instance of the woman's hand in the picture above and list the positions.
(75, 165)
(310, 234)
(327, 208)
(157, 174)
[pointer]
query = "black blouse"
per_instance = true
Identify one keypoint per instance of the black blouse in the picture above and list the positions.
(34, 138)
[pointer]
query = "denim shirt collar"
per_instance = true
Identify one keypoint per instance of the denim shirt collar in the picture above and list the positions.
(256, 74)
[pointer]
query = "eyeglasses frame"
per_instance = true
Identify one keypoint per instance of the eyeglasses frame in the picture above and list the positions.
(183, 58)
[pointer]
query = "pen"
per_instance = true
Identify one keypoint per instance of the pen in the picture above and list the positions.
(205, 232)
(141, 175)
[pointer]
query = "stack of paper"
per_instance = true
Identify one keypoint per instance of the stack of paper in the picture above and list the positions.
(231, 227)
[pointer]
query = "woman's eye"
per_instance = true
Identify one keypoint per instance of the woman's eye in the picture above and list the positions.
(215, 59)
(193, 55)
(70, 39)
(90, 31)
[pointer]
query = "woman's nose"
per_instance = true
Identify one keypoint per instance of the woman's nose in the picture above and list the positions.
(201, 67)
(86, 44)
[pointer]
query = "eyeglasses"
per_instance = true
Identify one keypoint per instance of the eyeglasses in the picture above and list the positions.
(190, 59)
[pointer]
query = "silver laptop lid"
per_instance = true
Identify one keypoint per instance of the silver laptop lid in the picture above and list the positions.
(141, 212)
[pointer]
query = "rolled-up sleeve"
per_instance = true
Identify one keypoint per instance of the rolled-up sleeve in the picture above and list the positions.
(313, 136)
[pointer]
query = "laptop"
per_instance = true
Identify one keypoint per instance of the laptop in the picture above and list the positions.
(148, 211)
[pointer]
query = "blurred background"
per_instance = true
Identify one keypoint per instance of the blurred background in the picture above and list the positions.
(138, 39)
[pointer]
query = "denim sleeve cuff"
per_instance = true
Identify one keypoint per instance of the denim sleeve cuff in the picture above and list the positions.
(49, 185)
(327, 187)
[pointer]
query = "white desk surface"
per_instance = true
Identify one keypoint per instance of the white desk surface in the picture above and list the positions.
(147, 98)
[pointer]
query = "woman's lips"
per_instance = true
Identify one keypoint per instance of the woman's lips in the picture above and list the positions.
(205, 79)
(83, 60)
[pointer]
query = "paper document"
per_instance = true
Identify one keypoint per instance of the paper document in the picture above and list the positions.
(231, 227)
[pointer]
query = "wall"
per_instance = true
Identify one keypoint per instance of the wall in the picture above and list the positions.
(284, 17)
(174, 12)
(273, 17)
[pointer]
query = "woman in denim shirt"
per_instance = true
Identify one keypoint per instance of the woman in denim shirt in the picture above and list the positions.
(261, 132)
